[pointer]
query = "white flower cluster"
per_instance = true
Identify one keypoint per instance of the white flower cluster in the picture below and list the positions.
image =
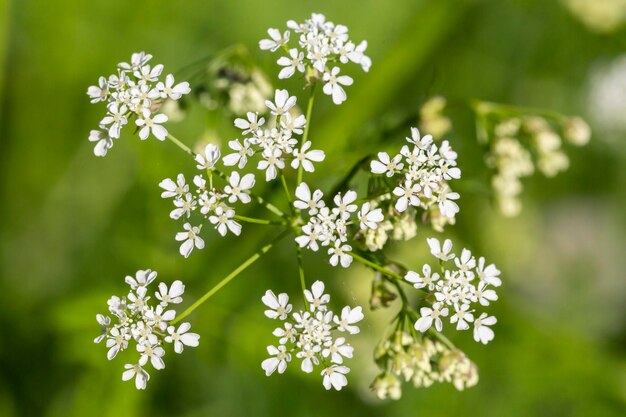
(277, 144)
(512, 161)
(422, 363)
(308, 335)
(134, 91)
(457, 289)
(148, 327)
(329, 227)
(322, 44)
(425, 171)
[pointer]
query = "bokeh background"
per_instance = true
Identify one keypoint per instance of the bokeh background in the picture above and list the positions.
(73, 225)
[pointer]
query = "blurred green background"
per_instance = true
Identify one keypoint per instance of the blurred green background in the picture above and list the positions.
(73, 225)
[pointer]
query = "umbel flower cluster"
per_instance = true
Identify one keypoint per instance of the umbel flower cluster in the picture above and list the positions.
(147, 328)
(238, 183)
(136, 92)
(310, 335)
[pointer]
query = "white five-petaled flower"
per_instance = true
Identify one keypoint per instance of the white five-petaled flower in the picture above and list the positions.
(271, 163)
(99, 92)
(291, 63)
(190, 239)
(277, 40)
(386, 165)
(316, 297)
(368, 218)
(482, 333)
(339, 254)
(169, 90)
(335, 377)
(171, 295)
(306, 201)
(116, 117)
(223, 221)
(174, 189)
(278, 361)
(102, 140)
(489, 274)
(430, 315)
(279, 305)
(153, 353)
(149, 124)
(241, 154)
(238, 187)
(407, 194)
(182, 337)
(141, 376)
(338, 350)
(349, 317)
(282, 102)
(211, 155)
(427, 280)
(439, 251)
(142, 279)
(251, 125)
(306, 158)
(333, 85)
(461, 316)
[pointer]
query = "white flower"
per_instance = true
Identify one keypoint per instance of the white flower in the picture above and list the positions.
(308, 354)
(296, 125)
(282, 102)
(307, 201)
(169, 90)
(142, 279)
(348, 318)
(223, 221)
(291, 63)
(104, 322)
(418, 141)
(147, 73)
(240, 157)
(333, 85)
(430, 315)
(141, 376)
(461, 316)
(310, 236)
(116, 341)
(279, 305)
(482, 333)
(251, 125)
(316, 297)
(137, 60)
(152, 353)
(103, 142)
(152, 125)
(116, 117)
(447, 206)
(369, 219)
(466, 261)
(335, 377)
(277, 40)
(408, 195)
(385, 165)
(286, 334)
(184, 206)
(174, 189)
(181, 337)
(428, 280)
(343, 204)
(338, 350)
(211, 155)
(271, 163)
(190, 239)
(483, 295)
(238, 187)
(339, 254)
(437, 250)
(278, 361)
(489, 274)
(303, 157)
(171, 295)
(99, 92)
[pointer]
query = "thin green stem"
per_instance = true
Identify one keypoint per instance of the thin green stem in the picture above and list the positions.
(283, 180)
(305, 136)
(257, 221)
(375, 266)
(301, 272)
(242, 267)
(181, 145)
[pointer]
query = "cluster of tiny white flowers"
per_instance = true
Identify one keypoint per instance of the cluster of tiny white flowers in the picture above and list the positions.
(308, 335)
(322, 45)
(425, 171)
(512, 161)
(423, 363)
(276, 144)
(134, 91)
(329, 227)
(148, 327)
(456, 291)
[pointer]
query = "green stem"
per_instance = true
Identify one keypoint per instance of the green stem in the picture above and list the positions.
(283, 180)
(257, 221)
(301, 272)
(230, 277)
(309, 111)
(375, 266)
(181, 145)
